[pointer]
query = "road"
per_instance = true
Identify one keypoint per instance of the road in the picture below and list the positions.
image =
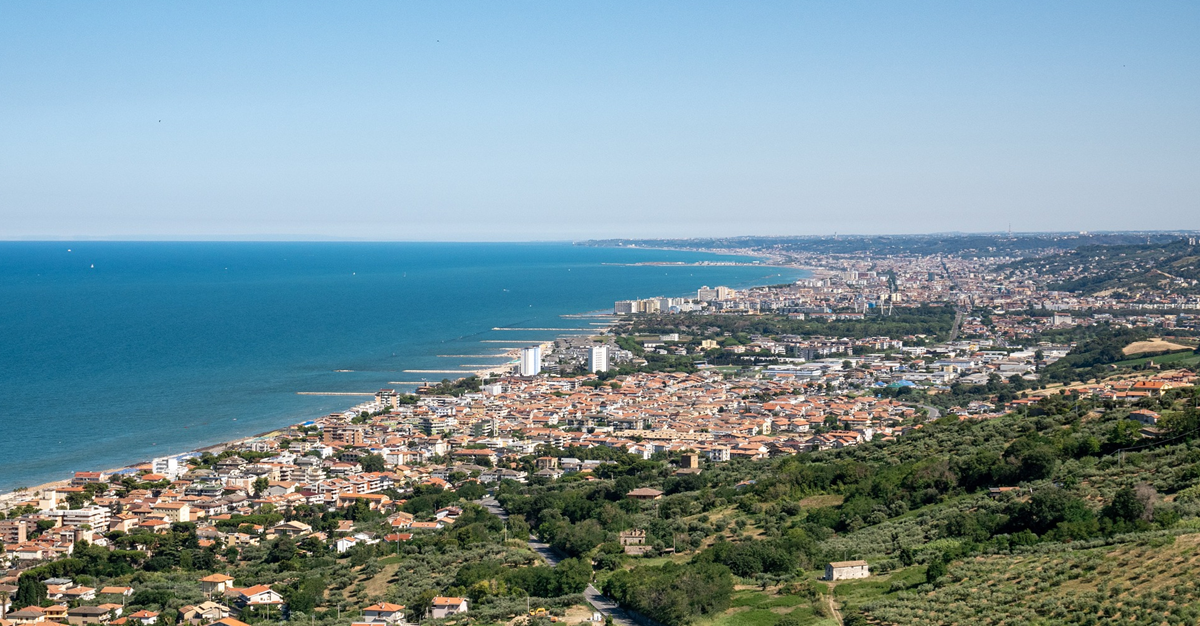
(545, 551)
(934, 412)
(958, 320)
(598, 600)
(608, 607)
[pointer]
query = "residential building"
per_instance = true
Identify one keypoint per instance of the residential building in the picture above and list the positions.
(445, 607)
(531, 361)
(598, 359)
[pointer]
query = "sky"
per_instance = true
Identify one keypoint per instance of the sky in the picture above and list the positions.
(502, 121)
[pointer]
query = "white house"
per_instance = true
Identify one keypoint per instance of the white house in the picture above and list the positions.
(258, 595)
(445, 607)
(384, 612)
(845, 570)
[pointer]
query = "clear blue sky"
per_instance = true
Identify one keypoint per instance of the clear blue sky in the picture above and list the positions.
(570, 120)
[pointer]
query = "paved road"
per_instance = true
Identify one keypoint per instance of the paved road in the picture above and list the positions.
(598, 600)
(493, 506)
(958, 320)
(546, 551)
(608, 607)
(934, 412)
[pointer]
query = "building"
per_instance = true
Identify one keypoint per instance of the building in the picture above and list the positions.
(86, 478)
(644, 493)
(88, 615)
(598, 359)
(215, 583)
(205, 612)
(846, 570)
(168, 466)
(27, 615)
(291, 529)
(173, 511)
(351, 434)
(445, 607)
(1145, 416)
(384, 612)
(13, 531)
(96, 517)
(633, 541)
(258, 595)
(531, 361)
(434, 425)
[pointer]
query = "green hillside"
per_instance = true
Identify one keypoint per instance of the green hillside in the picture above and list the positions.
(1119, 269)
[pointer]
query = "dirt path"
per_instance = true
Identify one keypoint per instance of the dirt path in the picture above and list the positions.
(833, 607)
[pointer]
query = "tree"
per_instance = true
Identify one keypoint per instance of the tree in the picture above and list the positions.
(573, 576)
(30, 592)
(1130, 505)
(281, 550)
(373, 463)
(422, 604)
(936, 569)
(471, 491)
(260, 485)
(1124, 433)
(304, 596)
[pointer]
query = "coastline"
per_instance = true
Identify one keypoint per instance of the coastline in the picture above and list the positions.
(12, 498)
(600, 320)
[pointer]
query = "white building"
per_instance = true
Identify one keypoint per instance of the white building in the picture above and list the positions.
(845, 570)
(168, 466)
(706, 294)
(531, 361)
(445, 607)
(97, 517)
(598, 359)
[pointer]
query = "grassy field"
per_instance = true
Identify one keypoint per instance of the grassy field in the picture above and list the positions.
(1151, 581)
(758, 608)
(754, 607)
(1186, 357)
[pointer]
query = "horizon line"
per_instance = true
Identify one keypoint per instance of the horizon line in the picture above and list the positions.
(270, 238)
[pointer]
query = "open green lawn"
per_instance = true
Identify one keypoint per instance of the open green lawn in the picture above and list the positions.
(757, 608)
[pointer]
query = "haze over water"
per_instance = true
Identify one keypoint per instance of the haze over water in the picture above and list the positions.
(118, 352)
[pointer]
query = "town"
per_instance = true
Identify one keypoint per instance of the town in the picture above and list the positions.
(863, 353)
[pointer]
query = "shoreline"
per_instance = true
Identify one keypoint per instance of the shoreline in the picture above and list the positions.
(10, 497)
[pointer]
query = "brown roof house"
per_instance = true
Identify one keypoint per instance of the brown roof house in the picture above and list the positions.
(445, 607)
(644, 493)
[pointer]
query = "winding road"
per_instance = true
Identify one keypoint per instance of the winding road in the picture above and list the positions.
(599, 601)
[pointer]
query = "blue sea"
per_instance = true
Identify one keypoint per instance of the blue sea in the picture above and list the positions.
(118, 352)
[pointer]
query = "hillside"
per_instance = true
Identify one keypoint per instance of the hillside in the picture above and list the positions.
(745, 542)
(1118, 270)
(960, 244)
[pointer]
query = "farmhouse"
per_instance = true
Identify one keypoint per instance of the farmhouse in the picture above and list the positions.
(845, 570)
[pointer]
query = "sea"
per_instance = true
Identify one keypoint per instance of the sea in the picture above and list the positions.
(112, 353)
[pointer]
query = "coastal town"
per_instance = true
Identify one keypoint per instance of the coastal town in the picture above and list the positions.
(728, 376)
